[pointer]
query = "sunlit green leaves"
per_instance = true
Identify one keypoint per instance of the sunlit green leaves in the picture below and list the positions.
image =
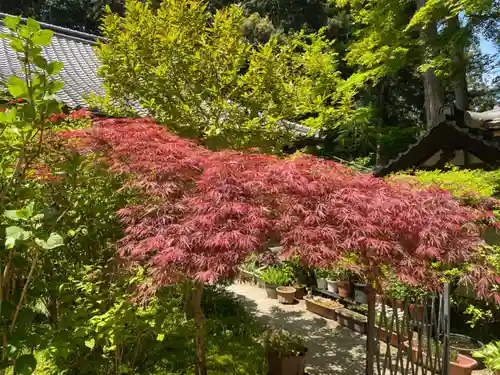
(54, 240)
(11, 22)
(17, 87)
(15, 233)
(90, 343)
(43, 38)
(54, 67)
(33, 26)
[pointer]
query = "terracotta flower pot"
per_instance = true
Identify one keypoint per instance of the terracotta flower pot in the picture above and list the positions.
(321, 283)
(271, 291)
(344, 289)
(397, 304)
(332, 286)
(286, 365)
(416, 312)
(286, 294)
(463, 365)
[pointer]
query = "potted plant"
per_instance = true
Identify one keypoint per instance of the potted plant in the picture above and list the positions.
(300, 290)
(324, 307)
(273, 278)
(465, 345)
(490, 356)
(332, 281)
(397, 292)
(344, 283)
(286, 294)
(360, 286)
(286, 353)
(321, 276)
(459, 364)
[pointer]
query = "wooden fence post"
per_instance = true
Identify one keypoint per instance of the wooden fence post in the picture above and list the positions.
(370, 334)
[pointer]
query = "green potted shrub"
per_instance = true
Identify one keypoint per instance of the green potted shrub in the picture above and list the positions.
(273, 278)
(490, 356)
(286, 353)
(332, 281)
(360, 285)
(321, 276)
(344, 283)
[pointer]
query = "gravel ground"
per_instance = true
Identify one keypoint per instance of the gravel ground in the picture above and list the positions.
(332, 349)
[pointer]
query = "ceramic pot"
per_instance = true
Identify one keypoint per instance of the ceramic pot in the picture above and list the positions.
(286, 294)
(321, 283)
(332, 286)
(271, 291)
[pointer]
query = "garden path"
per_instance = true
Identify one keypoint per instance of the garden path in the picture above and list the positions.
(333, 349)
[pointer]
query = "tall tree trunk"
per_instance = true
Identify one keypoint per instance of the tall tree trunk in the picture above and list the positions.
(458, 77)
(199, 318)
(434, 94)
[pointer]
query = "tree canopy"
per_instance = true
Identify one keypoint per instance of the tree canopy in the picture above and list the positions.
(202, 212)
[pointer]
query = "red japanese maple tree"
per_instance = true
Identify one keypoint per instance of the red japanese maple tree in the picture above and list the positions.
(201, 212)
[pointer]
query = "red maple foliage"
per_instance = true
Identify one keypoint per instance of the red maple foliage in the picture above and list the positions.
(201, 212)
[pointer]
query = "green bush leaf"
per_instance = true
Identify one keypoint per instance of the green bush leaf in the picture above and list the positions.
(14, 233)
(160, 337)
(42, 38)
(40, 62)
(11, 22)
(54, 240)
(55, 86)
(17, 45)
(17, 87)
(55, 67)
(90, 344)
(33, 26)
(25, 364)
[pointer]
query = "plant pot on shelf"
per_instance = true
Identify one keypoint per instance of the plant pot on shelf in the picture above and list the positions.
(462, 365)
(300, 291)
(323, 307)
(392, 338)
(397, 304)
(360, 295)
(271, 291)
(416, 312)
(344, 288)
(321, 283)
(286, 294)
(286, 365)
(332, 286)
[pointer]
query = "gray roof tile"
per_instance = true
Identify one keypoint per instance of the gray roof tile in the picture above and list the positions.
(80, 64)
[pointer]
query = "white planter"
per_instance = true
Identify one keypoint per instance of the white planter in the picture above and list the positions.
(332, 286)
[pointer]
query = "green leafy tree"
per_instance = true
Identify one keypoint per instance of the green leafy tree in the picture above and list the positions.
(197, 73)
(24, 238)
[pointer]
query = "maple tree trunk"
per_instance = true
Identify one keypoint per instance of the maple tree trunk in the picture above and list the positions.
(199, 318)
(459, 79)
(434, 94)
